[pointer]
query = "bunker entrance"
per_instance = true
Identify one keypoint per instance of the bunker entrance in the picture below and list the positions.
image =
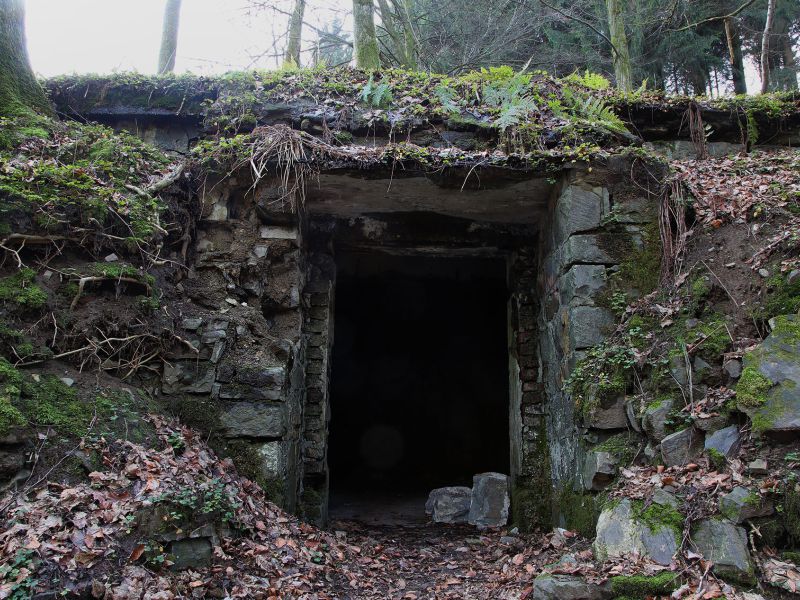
(419, 382)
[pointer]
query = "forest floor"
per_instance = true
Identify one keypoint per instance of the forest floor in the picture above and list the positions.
(117, 531)
(438, 561)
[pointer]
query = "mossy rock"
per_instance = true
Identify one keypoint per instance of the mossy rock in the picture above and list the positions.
(725, 544)
(643, 586)
(578, 511)
(768, 388)
(625, 526)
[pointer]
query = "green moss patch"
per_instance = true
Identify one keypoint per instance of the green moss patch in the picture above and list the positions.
(752, 388)
(782, 298)
(46, 402)
(658, 517)
(78, 175)
(21, 290)
(787, 329)
(531, 498)
(621, 445)
(50, 403)
(717, 459)
(10, 389)
(643, 586)
(601, 376)
(641, 267)
(579, 510)
(791, 556)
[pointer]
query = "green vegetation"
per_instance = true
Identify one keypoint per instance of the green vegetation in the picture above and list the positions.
(644, 586)
(21, 290)
(18, 576)
(510, 103)
(782, 298)
(787, 328)
(531, 499)
(752, 388)
(659, 517)
(791, 556)
(717, 459)
(117, 270)
(63, 175)
(622, 445)
(790, 509)
(593, 81)
(601, 376)
(184, 93)
(503, 98)
(248, 460)
(639, 264)
(711, 337)
(589, 111)
(208, 501)
(376, 94)
(51, 403)
(46, 402)
(580, 510)
(10, 389)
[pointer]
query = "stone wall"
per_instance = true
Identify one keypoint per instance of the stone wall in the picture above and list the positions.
(258, 301)
(530, 474)
(318, 305)
(241, 376)
(598, 219)
(259, 309)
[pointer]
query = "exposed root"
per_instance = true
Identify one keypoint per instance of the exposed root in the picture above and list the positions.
(672, 230)
(84, 280)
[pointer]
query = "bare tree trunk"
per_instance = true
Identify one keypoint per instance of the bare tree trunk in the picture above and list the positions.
(292, 56)
(735, 56)
(619, 40)
(782, 56)
(169, 37)
(765, 47)
(789, 62)
(365, 40)
(20, 92)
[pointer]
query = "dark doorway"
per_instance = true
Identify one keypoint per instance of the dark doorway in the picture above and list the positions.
(419, 390)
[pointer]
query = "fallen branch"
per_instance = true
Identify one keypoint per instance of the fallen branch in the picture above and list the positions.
(159, 185)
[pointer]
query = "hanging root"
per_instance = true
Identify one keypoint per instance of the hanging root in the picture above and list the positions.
(697, 131)
(672, 229)
(282, 148)
(88, 279)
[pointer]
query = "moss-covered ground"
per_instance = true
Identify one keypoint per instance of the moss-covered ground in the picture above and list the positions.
(56, 177)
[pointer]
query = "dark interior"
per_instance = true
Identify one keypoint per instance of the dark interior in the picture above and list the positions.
(419, 390)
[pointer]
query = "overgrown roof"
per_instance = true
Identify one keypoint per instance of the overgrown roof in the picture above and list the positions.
(496, 107)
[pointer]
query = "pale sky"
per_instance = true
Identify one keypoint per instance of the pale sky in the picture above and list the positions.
(102, 36)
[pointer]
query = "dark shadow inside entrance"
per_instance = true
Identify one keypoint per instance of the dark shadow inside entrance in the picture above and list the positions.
(419, 389)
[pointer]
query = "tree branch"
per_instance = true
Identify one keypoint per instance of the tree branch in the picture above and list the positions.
(589, 25)
(717, 18)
